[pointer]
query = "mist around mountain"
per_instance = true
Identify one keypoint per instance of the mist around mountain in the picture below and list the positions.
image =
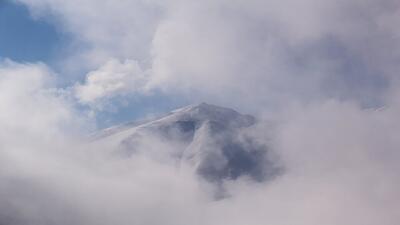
(201, 165)
(211, 141)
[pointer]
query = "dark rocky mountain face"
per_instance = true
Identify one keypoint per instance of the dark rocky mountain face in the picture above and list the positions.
(212, 140)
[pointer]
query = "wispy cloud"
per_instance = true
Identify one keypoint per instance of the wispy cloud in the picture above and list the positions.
(112, 79)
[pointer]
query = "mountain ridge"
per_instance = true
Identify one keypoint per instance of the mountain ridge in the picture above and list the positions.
(211, 139)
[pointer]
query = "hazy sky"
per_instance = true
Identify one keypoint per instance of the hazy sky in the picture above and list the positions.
(323, 74)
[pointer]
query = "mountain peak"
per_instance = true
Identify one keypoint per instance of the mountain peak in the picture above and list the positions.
(209, 138)
(203, 107)
(208, 112)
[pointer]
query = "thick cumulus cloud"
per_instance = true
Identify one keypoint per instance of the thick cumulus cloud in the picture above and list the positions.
(263, 52)
(329, 68)
(279, 51)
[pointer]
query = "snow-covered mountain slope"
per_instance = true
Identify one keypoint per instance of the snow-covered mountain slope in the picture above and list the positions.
(210, 140)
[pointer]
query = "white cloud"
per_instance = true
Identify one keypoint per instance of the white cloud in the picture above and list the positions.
(28, 101)
(259, 52)
(101, 30)
(274, 52)
(112, 79)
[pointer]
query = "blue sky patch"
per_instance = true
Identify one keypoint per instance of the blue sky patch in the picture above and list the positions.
(23, 38)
